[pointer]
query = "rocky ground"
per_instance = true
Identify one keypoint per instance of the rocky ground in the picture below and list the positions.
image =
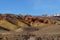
(47, 33)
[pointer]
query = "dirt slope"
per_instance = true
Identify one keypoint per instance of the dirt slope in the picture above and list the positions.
(53, 29)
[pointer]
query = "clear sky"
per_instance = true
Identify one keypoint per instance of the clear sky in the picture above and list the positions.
(32, 7)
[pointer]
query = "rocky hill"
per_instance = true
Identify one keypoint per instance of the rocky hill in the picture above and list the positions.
(27, 27)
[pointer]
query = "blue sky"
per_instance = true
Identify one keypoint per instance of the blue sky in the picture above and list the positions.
(32, 7)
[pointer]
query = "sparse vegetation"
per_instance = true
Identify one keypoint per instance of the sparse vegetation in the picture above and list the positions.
(27, 27)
